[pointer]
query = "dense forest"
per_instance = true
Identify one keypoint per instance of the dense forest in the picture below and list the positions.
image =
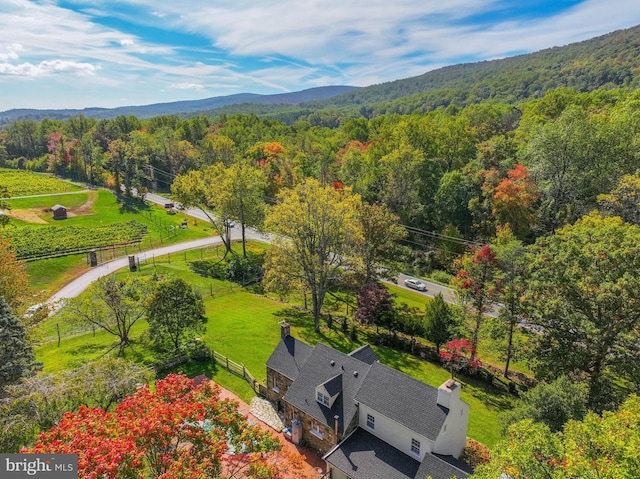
(465, 172)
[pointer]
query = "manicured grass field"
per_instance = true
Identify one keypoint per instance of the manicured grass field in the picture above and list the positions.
(23, 183)
(95, 209)
(245, 327)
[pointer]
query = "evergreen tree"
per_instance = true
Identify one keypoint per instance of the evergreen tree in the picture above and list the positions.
(440, 322)
(16, 355)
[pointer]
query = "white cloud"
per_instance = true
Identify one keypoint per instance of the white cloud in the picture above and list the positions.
(187, 86)
(275, 45)
(48, 67)
(9, 51)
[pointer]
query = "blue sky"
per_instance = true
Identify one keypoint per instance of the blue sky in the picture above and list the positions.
(107, 53)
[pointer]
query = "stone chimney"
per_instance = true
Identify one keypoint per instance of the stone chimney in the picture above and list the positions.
(449, 394)
(285, 329)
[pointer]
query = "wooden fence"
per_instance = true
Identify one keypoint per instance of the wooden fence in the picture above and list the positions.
(234, 368)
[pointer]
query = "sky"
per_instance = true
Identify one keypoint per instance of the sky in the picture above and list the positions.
(108, 53)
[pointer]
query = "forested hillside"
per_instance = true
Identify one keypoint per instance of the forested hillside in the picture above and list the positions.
(607, 61)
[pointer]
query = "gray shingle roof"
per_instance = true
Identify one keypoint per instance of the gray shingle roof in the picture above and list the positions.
(317, 370)
(383, 390)
(442, 467)
(334, 385)
(363, 456)
(289, 357)
(365, 354)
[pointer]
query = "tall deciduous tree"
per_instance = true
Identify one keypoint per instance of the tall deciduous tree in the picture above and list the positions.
(510, 253)
(318, 230)
(604, 446)
(585, 293)
(476, 286)
(14, 283)
(193, 190)
(381, 235)
(174, 313)
(513, 201)
(16, 356)
(112, 304)
(37, 403)
(624, 200)
(238, 193)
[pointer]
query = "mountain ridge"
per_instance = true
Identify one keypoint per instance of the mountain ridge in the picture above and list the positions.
(177, 107)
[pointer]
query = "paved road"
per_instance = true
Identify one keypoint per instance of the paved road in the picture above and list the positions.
(78, 285)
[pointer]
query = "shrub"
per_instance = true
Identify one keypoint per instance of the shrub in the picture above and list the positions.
(441, 276)
(353, 334)
(475, 453)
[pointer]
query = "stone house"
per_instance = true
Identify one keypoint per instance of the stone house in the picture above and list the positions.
(368, 419)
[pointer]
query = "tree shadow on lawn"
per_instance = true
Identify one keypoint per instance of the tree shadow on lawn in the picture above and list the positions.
(193, 369)
(304, 323)
(403, 361)
(132, 205)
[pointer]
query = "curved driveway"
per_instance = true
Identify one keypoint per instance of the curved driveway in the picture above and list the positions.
(78, 285)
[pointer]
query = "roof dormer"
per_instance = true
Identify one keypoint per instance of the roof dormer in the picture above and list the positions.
(328, 392)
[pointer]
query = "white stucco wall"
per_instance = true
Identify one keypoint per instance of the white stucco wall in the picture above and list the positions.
(337, 473)
(453, 435)
(393, 433)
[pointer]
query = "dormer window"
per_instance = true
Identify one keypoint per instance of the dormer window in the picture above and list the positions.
(323, 399)
(328, 392)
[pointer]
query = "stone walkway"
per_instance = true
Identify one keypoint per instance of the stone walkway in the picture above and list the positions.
(313, 465)
(264, 410)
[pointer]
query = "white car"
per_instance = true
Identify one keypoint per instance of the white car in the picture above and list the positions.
(415, 284)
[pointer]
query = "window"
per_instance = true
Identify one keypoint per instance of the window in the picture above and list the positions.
(322, 399)
(276, 389)
(371, 421)
(415, 446)
(315, 430)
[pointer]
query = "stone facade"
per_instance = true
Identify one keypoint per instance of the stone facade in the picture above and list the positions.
(277, 386)
(316, 434)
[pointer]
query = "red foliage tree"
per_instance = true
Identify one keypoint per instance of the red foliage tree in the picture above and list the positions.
(458, 354)
(476, 283)
(174, 431)
(375, 306)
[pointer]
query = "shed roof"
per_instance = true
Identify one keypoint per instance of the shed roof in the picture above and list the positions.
(58, 207)
(363, 456)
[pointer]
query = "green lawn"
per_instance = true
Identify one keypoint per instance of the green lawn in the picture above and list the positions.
(52, 274)
(245, 327)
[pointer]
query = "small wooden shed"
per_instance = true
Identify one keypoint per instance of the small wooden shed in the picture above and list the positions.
(59, 212)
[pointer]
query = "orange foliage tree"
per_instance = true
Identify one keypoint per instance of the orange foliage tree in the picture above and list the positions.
(513, 200)
(176, 430)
